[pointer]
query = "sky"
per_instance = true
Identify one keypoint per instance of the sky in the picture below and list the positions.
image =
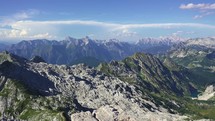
(126, 20)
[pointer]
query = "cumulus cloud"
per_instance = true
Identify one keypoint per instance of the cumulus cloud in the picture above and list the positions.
(126, 33)
(23, 34)
(202, 6)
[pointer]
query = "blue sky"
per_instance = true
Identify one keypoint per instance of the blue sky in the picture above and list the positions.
(127, 20)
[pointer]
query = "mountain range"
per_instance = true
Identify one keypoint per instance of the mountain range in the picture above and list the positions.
(72, 51)
(197, 55)
(175, 83)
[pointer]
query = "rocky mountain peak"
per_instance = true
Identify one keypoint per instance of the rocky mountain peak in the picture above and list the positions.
(158, 41)
(148, 72)
(37, 59)
(70, 50)
(205, 42)
(6, 56)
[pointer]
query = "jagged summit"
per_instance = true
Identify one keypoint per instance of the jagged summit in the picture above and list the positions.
(148, 72)
(205, 42)
(160, 41)
(70, 49)
(37, 59)
(197, 55)
(7, 56)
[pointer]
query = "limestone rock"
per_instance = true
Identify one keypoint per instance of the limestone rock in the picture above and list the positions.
(84, 88)
(82, 116)
(208, 93)
(109, 113)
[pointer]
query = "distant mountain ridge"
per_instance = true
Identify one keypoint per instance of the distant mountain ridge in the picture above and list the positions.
(71, 50)
(197, 55)
(149, 73)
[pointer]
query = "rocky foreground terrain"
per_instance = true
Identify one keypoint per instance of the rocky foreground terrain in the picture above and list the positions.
(139, 88)
(35, 90)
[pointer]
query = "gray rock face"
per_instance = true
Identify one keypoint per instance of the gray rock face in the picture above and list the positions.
(109, 113)
(96, 95)
(93, 90)
(104, 113)
(208, 93)
(83, 116)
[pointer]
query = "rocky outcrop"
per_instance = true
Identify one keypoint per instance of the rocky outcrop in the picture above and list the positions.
(109, 113)
(92, 89)
(104, 113)
(37, 59)
(83, 116)
(78, 88)
(208, 93)
(149, 73)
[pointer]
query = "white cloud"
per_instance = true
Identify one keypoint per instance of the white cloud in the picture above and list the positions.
(45, 35)
(12, 33)
(111, 25)
(203, 14)
(23, 34)
(21, 15)
(198, 16)
(27, 29)
(180, 33)
(25, 14)
(126, 33)
(69, 22)
(165, 25)
(202, 6)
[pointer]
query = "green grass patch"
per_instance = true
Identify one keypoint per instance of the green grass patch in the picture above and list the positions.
(42, 115)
